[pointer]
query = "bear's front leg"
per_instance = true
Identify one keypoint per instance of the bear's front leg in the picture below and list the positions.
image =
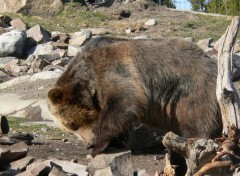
(116, 117)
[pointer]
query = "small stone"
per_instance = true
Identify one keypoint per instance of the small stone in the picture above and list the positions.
(140, 173)
(53, 68)
(190, 39)
(73, 50)
(141, 37)
(64, 140)
(128, 31)
(98, 31)
(150, 22)
(19, 24)
(120, 163)
(74, 160)
(89, 157)
(80, 39)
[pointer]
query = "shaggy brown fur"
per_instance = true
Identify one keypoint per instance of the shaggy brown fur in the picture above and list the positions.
(167, 83)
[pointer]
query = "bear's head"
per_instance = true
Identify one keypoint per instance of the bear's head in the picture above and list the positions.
(73, 102)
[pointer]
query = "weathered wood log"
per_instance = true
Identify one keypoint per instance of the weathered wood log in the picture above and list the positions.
(226, 94)
(196, 152)
(169, 170)
(200, 154)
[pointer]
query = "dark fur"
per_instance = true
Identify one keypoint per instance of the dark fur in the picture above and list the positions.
(167, 83)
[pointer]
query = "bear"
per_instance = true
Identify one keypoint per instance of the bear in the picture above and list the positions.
(166, 83)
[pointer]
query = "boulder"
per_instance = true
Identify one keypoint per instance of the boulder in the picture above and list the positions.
(37, 35)
(119, 163)
(30, 7)
(13, 153)
(19, 24)
(12, 43)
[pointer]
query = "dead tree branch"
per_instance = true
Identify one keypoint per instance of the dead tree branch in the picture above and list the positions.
(226, 94)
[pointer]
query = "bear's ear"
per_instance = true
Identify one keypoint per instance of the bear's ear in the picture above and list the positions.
(55, 95)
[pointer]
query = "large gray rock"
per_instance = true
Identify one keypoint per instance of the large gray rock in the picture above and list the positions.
(37, 35)
(120, 163)
(30, 7)
(12, 153)
(12, 43)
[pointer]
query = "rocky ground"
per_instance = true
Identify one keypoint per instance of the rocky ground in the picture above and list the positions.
(26, 73)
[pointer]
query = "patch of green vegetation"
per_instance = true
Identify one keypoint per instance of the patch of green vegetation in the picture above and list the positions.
(72, 18)
(205, 26)
(20, 125)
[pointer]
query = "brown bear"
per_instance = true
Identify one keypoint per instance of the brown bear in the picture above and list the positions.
(167, 83)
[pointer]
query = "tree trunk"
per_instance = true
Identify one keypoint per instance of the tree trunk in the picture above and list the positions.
(226, 94)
